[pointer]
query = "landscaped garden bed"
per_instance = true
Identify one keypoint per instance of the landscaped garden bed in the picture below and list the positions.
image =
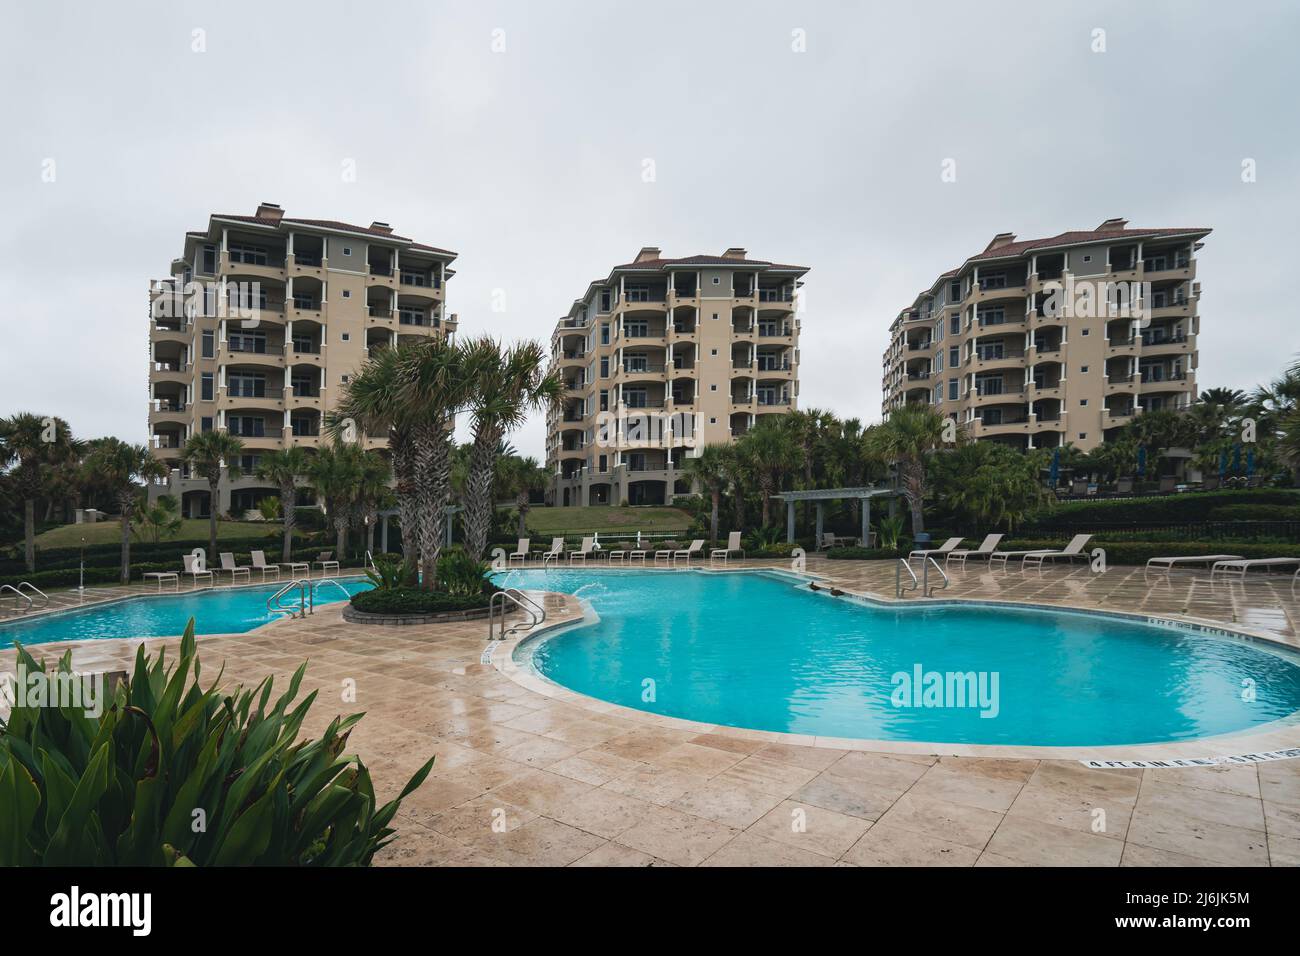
(405, 605)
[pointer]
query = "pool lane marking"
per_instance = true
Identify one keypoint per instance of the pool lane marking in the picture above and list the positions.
(1175, 762)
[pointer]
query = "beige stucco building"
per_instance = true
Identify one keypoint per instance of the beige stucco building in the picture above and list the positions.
(1047, 341)
(662, 357)
(259, 325)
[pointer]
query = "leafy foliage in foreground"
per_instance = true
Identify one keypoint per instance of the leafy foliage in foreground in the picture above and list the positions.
(171, 774)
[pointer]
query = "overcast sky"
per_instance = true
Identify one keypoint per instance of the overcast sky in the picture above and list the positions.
(530, 160)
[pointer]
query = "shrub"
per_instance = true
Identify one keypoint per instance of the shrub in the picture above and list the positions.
(124, 788)
(461, 575)
(418, 601)
(862, 554)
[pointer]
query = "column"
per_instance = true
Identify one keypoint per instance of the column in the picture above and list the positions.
(383, 533)
(821, 511)
(866, 522)
(789, 522)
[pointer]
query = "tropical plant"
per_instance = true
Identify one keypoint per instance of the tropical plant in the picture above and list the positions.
(891, 529)
(388, 572)
(284, 467)
(209, 455)
(334, 471)
(709, 469)
(162, 519)
(31, 444)
(770, 450)
(907, 439)
(523, 476)
(460, 574)
(171, 774)
(117, 467)
(508, 383)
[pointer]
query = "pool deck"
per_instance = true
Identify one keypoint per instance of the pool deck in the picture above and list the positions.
(531, 774)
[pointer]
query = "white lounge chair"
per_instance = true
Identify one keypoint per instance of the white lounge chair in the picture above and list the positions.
(986, 548)
(733, 545)
(949, 545)
(520, 553)
(665, 555)
(228, 566)
(259, 564)
(195, 572)
(1071, 551)
(296, 567)
(1168, 564)
(326, 561)
(1240, 566)
(697, 547)
(620, 553)
(588, 547)
(171, 577)
(557, 549)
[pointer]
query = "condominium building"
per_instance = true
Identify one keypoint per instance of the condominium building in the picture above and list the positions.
(662, 357)
(1047, 341)
(259, 325)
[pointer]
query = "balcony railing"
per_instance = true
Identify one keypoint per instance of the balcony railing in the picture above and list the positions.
(773, 331)
(642, 367)
(773, 400)
(1150, 339)
(775, 295)
(645, 295)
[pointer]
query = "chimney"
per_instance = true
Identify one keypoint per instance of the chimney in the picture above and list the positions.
(735, 252)
(1001, 239)
(1111, 225)
(269, 210)
(647, 253)
(383, 227)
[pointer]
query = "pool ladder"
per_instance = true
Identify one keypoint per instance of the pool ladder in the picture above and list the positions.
(924, 583)
(535, 612)
(306, 589)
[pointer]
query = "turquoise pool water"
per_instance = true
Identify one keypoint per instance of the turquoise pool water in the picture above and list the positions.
(758, 652)
(220, 611)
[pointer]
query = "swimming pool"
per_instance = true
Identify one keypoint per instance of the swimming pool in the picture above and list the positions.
(215, 611)
(760, 652)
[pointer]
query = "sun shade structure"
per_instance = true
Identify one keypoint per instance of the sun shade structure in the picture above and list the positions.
(822, 495)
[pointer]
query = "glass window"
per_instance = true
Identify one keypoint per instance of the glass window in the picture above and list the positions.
(206, 386)
(209, 343)
(952, 389)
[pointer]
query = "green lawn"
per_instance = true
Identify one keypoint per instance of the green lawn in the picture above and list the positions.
(556, 520)
(110, 532)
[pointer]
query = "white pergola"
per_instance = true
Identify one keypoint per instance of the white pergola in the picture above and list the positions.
(822, 495)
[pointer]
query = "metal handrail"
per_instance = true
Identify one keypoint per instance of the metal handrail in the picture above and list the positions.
(303, 585)
(925, 574)
(45, 598)
(25, 597)
(535, 612)
(899, 568)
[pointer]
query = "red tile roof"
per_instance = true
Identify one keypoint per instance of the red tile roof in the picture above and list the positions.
(331, 224)
(656, 265)
(1075, 237)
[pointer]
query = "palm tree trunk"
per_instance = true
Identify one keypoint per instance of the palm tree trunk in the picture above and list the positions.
(477, 516)
(407, 504)
(125, 503)
(432, 480)
(521, 502)
(717, 502)
(212, 521)
(289, 516)
(29, 533)
(765, 489)
(341, 537)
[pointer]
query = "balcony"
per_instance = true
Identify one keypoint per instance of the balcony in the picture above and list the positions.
(184, 334)
(254, 265)
(994, 361)
(170, 371)
(168, 411)
(632, 371)
(1156, 344)
(1171, 269)
(773, 331)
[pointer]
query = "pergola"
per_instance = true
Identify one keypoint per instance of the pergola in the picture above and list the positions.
(448, 510)
(823, 495)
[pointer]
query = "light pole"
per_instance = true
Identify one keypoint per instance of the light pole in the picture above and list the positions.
(81, 573)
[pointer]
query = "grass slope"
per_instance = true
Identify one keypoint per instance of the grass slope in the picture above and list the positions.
(110, 532)
(556, 520)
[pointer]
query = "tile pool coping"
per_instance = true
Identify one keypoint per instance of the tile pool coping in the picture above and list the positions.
(1278, 735)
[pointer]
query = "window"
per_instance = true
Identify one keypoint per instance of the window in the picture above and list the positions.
(954, 323)
(713, 388)
(1083, 436)
(304, 343)
(994, 315)
(604, 399)
(604, 332)
(205, 423)
(347, 336)
(1085, 331)
(209, 343)
(246, 385)
(344, 379)
(993, 280)
(302, 300)
(604, 463)
(990, 350)
(636, 328)
(954, 291)
(938, 331)
(716, 280)
(302, 426)
(952, 389)
(604, 300)
(206, 386)
(347, 293)
(241, 341)
(249, 255)
(1083, 401)
(604, 366)
(938, 361)
(247, 426)
(304, 386)
(954, 356)
(410, 316)
(938, 394)
(347, 251)
(988, 385)
(210, 260)
(1083, 368)
(715, 315)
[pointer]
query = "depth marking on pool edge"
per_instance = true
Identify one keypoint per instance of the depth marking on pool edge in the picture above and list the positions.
(1192, 761)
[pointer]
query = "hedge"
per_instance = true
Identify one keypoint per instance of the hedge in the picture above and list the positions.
(109, 555)
(1117, 552)
(104, 574)
(417, 601)
(1175, 509)
(862, 554)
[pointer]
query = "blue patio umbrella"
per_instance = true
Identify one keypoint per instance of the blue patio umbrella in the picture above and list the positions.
(1223, 462)
(1250, 463)
(1142, 460)
(1055, 473)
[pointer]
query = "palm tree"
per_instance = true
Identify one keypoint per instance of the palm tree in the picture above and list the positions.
(435, 383)
(209, 454)
(810, 427)
(524, 476)
(31, 444)
(371, 493)
(709, 468)
(284, 467)
(375, 402)
(335, 471)
(508, 384)
(907, 438)
(118, 466)
(771, 450)
(733, 470)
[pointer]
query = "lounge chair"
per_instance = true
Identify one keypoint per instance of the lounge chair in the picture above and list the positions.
(1168, 564)
(259, 564)
(326, 561)
(520, 553)
(828, 541)
(621, 552)
(587, 548)
(733, 545)
(195, 572)
(557, 549)
(235, 570)
(1071, 551)
(697, 547)
(949, 545)
(986, 548)
(296, 567)
(1240, 566)
(666, 554)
